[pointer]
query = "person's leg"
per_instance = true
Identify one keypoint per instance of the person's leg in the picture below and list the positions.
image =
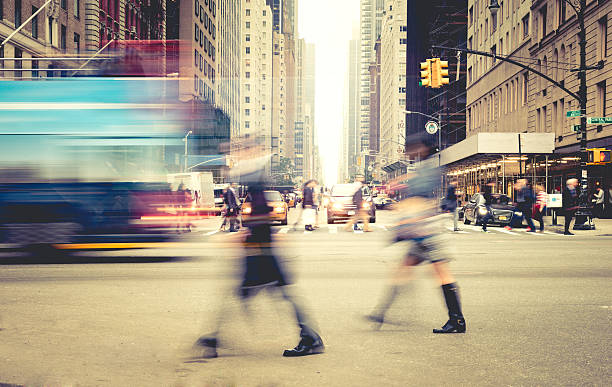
(310, 340)
(456, 321)
(568, 221)
(365, 216)
(350, 222)
(400, 280)
(528, 218)
(456, 219)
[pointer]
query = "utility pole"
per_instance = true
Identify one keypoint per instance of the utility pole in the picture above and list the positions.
(582, 92)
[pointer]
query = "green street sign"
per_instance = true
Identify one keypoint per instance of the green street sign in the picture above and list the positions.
(599, 120)
(576, 128)
(573, 113)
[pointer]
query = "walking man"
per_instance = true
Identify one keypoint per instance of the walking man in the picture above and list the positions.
(524, 202)
(231, 205)
(486, 195)
(569, 198)
(451, 203)
(308, 205)
(598, 201)
(361, 213)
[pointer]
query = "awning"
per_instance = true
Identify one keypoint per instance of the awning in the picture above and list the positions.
(394, 166)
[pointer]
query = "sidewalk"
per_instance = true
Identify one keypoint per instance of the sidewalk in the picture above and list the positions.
(602, 226)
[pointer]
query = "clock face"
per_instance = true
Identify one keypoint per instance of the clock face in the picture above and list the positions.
(431, 127)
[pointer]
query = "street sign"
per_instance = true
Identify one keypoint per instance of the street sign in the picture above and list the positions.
(576, 128)
(599, 120)
(431, 127)
(573, 113)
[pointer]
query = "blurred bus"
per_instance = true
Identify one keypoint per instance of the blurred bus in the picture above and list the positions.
(84, 160)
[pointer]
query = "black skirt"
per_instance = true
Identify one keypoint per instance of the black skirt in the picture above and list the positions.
(263, 270)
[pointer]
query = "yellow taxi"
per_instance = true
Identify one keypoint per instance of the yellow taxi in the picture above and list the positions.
(275, 200)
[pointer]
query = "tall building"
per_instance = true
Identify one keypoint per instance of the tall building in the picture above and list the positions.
(351, 139)
(392, 80)
(229, 51)
(376, 163)
(58, 31)
(370, 24)
(304, 133)
(279, 80)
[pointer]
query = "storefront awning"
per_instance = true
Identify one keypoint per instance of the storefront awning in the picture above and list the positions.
(495, 144)
(394, 166)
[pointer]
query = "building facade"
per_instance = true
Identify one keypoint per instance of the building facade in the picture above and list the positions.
(228, 65)
(351, 144)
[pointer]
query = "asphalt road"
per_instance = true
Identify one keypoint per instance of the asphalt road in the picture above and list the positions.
(538, 311)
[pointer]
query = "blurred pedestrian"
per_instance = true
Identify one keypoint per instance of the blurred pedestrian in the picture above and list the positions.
(361, 212)
(231, 207)
(262, 268)
(570, 198)
(487, 201)
(420, 225)
(524, 202)
(309, 213)
(450, 203)
(539, 209)
(598, 201)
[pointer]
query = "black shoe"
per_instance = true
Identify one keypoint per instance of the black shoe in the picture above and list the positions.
(307, 346)
(209, 345)
(568, 233)
(376, 319)
(457, 229)
(453, 325)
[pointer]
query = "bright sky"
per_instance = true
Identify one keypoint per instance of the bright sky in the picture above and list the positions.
(328, 24)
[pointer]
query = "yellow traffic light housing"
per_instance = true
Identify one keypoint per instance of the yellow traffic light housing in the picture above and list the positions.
(598, 156)
(426, 73)
(439, 72)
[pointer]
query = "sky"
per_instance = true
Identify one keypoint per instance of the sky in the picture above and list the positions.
(328, 24)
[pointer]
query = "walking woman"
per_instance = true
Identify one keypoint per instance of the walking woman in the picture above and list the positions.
(420, 225)
(539, 209)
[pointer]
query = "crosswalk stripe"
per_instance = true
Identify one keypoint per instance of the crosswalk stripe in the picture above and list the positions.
(381, 226)
(506, 231)
(212, 232)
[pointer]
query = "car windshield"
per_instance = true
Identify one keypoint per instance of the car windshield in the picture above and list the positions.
(273, 196)
(343, 190)
(501, 199)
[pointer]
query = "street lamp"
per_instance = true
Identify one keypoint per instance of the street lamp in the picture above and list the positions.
(185, 140)
(437, 120)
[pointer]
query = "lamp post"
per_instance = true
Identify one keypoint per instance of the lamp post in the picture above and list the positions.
(185, 140)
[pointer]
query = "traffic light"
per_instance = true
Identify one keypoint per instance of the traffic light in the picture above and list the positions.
(439, 72)
(598, 156)
(426, 73)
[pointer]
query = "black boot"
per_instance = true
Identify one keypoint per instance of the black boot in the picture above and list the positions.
(456, 322)
(310, 344)
(209, 345)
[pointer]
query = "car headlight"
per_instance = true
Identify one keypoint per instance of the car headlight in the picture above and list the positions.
(518, 213)
(482, 211)
(279, 209)
(246, 210)
(337, 206)
(366, 206)
(325, 202)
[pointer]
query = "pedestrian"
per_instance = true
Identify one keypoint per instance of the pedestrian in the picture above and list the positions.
(450, 203)
(361, 212)
(598, 201)
(419, 225)
(539, 210)
(308, 205)
(570, 202)
(231, 204)
(262, 268)
(524, 202)
(486, 203)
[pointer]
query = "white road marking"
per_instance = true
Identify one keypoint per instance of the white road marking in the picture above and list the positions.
(212, 232)
(381, 226)
(460, 232)
(505, 231)
(283, 230)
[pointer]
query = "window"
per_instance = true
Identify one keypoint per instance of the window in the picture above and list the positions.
(403, 41)
(248, 50)
(501, 13)
(247, 99)
(64, 4)
(201, 38)
(63, 37)
(561, 118)
(248, 12)
(494, 52)
(471, 16)
(50, 22)
(34, 69)
(562, 7)
(1, 9)
(195, 58)
(197, 32)
(542, 20)
(525, 26)
(77, 42)
(601, 98)
(248, 37)
(248, 25)
(494, 22)
(525, 87)
(196, 7)
(17, 13)
(247, 124)
(603, 38)
(35, 23)
(247, 112)
(247, 75)
(18, 63)
(77, 6)
(202, 14)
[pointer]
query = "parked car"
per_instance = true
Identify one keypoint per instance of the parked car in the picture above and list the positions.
(504, 213)
(383, 202)
(275, 200)
(340, 205)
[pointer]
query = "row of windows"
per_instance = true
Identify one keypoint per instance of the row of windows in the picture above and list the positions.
(202, 89)
(207, 22)
(211, 4)
(203, 65)
(206, 44)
